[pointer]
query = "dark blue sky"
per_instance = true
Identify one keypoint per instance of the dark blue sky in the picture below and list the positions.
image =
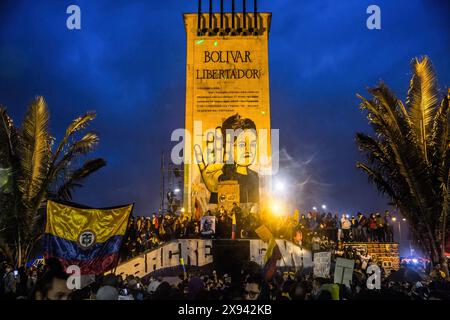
(128, 64)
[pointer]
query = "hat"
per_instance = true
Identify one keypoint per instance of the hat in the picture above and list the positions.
(107, 293)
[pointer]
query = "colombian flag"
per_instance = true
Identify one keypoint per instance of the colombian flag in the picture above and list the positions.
(233, 227)
(273, 254)
(87, 237)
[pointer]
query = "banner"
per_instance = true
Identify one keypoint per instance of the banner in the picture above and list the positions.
(86, 237)
(264, 233)
(322, 263)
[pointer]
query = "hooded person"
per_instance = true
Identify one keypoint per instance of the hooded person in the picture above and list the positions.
(195, 287)
(134, 287)
(163, 292)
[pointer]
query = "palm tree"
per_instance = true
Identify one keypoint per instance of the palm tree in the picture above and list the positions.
(408, 158)
(34, 170)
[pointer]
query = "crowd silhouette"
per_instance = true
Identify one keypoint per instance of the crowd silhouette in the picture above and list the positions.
(316, 231)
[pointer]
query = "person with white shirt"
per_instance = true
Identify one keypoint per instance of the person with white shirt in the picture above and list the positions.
(345, 225)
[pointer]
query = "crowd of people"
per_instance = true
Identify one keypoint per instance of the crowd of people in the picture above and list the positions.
(359, 228)
(145, 233)
(317, 231)
(251, 285)
(49, 282)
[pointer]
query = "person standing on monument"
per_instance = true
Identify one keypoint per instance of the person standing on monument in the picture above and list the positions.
(354, 229)
(346, 225)
(372, 228)
(388, 228)
(380, 227)
(362, 227)
(236, 212)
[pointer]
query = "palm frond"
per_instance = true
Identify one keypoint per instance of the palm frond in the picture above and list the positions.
(74, 179)
(409, 156)
(394, 132)
(5, 180)
(78, 124)
(439, 141)
(6, 131)
(34, 170)
(86, 144)
(81, 147)
(6, 250)
(377, 179)
(422, 100)
(35, 149)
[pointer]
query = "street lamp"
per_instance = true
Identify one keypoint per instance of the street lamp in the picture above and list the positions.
(324, 207)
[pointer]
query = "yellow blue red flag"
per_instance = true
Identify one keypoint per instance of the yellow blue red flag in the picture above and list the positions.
(273, 254)
(233, 227)
(87, 237)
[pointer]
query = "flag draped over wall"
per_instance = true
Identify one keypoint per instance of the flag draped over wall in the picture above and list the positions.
(89, 238)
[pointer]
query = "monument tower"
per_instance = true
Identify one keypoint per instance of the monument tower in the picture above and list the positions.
(227, 88)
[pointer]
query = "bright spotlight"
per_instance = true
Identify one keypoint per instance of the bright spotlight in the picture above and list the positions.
(415, 261)
(314, 208)
(394, 219)
(182, 209)
(277, 208)
(279, 186)
(324, 207)
(176, 190)
(404, 219)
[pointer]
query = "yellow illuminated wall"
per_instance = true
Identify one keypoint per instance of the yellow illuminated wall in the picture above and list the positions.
(227, 81)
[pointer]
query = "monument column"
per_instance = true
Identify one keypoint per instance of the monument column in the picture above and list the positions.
(227, 87)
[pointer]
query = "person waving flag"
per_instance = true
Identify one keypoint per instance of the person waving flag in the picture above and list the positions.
(273, 253)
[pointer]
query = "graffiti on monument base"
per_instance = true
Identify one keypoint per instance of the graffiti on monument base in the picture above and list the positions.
(198, 253)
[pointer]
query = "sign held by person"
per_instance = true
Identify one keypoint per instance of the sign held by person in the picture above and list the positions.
(322, 263)
(208, 225)
(343, 271)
